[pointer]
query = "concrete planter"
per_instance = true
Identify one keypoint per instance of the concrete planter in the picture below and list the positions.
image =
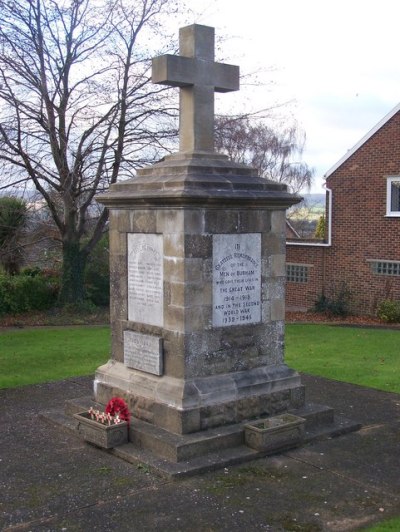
(106, 436)
(274, 433)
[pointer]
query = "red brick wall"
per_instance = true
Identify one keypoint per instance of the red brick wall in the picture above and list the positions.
(360, 229)
(302, 296)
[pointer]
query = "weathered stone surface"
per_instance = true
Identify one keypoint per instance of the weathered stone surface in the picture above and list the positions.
(170, 221)
(174, 362)
(297, 399)
(192, 347)
(274, 433)
(174, 245)
(277, 310)
(117, 340)
(278, 265)
(200, 180)
(274, 243)
(198, 246)
(200, 399)
(174, 319)
(194, 222)
(198, 318)
(174, 294)
(252, 221)
(215, 219)
(278, 223)
(106, 436)
(195, 271)
(198, 294)
(244, 409)
(117, 243)
(274, 289)
(175, 269)
(144, 221)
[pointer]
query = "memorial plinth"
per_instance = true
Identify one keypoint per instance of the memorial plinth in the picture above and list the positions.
(197, 251)
(213, 233)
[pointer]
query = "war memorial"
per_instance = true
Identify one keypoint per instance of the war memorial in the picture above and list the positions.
(197, 260)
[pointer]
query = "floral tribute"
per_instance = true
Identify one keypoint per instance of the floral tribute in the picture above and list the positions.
(116, 412)
(117, 407)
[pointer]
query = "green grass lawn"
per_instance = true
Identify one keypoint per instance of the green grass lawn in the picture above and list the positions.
(392, 525)
(369, 357)
(41, 355)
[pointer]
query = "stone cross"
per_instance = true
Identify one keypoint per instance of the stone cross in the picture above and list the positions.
(198, 76)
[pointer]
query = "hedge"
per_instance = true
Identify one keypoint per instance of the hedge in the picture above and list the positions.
(23, 293)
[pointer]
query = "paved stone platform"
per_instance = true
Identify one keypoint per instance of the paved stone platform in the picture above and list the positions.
(51, 480)
(175, 455)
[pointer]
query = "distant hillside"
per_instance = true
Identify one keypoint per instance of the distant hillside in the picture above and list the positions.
(314, 199)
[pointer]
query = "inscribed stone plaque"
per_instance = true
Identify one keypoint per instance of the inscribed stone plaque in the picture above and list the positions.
(236, 279)
(145, 278)
(143, 352)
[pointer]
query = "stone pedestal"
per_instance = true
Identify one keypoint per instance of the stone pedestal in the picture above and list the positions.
(197, 249)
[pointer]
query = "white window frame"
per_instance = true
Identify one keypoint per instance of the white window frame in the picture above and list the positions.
(389, 182)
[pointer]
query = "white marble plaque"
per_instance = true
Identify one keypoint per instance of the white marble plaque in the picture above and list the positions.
(236, 279)
(143, 352)
(145, 278)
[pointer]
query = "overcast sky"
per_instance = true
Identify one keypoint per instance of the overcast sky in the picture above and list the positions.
(339, 62)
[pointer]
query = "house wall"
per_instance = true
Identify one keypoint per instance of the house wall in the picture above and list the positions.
(302, 296)
(361, 231)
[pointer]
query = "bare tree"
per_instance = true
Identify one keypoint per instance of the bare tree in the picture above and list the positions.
(77, 109)
(274, 151)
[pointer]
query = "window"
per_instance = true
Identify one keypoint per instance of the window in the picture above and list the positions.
(393, 196)
(297, 273)
(388, 267)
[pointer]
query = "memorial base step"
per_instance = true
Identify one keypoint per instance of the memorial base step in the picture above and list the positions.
(174, 455)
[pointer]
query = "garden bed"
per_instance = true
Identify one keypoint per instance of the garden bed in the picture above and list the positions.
(57, 317)
(319, 317)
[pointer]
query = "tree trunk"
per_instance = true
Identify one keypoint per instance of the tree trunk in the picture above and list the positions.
(72, 288)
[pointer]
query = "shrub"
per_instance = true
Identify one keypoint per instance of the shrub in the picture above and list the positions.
(31, 272)
(23, 293)
(389, 311)
(336, 305)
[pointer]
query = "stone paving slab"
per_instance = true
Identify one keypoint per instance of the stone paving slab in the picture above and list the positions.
(51, 481)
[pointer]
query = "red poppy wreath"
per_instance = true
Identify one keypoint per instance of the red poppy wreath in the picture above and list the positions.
(117, 406)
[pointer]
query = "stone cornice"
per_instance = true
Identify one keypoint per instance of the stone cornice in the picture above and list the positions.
(210, 180)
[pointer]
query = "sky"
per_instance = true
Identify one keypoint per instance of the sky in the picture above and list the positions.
(335, 62)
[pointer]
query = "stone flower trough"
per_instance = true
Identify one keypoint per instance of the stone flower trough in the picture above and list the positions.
(105, 436)
(274, 433)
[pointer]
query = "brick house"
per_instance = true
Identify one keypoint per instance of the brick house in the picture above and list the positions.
(361, 251)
